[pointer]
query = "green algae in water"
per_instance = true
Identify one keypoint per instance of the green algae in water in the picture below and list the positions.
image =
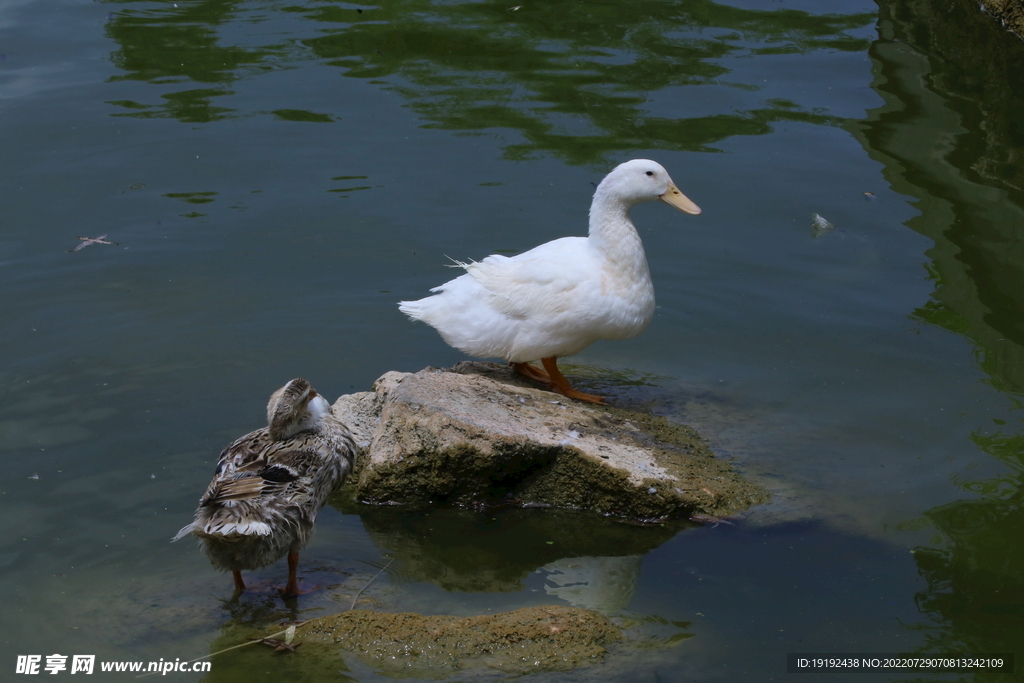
(547, 638)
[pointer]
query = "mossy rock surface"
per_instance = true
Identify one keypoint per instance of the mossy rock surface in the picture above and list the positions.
(1009, 12)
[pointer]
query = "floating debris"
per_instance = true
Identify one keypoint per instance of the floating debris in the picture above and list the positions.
(34, 476)
(819, 226)
(86, 241)
(870, 196)
(279, 645)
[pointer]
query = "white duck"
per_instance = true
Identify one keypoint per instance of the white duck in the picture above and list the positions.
(557, 299)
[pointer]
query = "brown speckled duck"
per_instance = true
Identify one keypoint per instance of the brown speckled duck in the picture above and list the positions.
(270, 484)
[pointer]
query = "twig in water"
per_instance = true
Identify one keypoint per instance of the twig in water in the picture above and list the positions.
(352, 606)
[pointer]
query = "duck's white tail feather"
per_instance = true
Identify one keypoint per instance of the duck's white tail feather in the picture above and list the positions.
(185, 531)
(455, 312)
(411, 309)
(249, 528)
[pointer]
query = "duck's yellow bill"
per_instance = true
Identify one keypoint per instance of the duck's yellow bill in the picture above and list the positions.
(679, 200)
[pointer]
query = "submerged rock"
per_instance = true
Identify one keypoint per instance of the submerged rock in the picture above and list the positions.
(552, 637)
(476, 435)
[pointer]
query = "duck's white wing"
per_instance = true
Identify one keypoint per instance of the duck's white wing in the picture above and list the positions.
(542, 282)
(519, 308)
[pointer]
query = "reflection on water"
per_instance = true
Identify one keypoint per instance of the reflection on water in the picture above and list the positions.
(973, 108)
(974, 600)
(605, 584)
(569, 78)
(462, 550)
(174, 44)
(954, 142)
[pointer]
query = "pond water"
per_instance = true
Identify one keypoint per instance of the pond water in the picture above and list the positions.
(276, 175)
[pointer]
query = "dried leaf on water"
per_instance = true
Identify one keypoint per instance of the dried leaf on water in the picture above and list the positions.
(86, 241)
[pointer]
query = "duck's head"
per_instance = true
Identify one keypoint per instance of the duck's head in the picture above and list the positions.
(295, 407)
(642, 180)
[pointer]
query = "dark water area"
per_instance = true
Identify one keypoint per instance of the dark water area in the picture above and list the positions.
(275, 176)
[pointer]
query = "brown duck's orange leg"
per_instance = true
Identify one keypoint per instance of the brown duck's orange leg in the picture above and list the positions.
(560, 384)
(530, 371)
(239, 584)
(292, 587)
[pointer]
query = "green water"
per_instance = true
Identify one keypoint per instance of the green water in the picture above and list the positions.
(277, 175)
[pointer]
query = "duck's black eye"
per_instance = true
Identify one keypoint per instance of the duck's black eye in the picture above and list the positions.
(650, 173)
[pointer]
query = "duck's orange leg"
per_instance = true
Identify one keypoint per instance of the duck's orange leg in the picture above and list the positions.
(530, 371)
(292, 587)
(560, 384)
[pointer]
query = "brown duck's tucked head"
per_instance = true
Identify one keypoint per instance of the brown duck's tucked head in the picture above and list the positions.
(293, 408)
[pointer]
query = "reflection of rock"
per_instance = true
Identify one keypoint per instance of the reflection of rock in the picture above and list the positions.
(605, 584)
(531, 639)
(475, 436)
(462, 550)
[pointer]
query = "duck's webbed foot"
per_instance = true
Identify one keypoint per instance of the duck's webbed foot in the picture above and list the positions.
(558, 383)
(530, 371)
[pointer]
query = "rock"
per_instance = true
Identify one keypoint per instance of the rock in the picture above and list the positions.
(1009, 12)
(552, 637)
(476, 435)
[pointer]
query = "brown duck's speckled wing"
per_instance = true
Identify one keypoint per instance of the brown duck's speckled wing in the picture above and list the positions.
(255, 466)
(234, 477)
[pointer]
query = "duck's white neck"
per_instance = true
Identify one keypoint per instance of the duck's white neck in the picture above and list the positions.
(318, 408)
(613, 234)
(309, 419)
